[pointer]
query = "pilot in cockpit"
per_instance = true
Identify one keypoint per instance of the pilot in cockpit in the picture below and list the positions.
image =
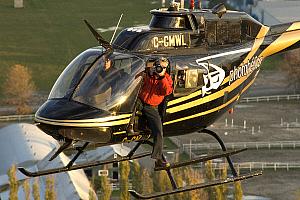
(108, 68)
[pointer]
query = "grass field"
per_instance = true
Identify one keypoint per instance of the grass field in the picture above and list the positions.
(47, 34)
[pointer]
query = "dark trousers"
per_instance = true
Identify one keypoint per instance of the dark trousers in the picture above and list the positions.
(155, 125)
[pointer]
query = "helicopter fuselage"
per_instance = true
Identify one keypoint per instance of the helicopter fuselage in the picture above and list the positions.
(213, 61)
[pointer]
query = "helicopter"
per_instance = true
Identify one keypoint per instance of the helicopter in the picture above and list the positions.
(214, 54)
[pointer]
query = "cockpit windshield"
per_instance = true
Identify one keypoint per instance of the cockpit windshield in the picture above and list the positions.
(111, 83)
(68, 80)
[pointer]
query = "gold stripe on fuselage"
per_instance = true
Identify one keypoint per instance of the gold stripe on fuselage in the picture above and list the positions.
(82, 124)
(284, 41)
(236, 97)
(294, 26)
(119, 133)
(257, 43)
(208, 98)
(181, 99)
(226, 80)
(95, 120)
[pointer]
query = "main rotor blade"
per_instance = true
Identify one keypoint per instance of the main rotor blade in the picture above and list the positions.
(98, 37)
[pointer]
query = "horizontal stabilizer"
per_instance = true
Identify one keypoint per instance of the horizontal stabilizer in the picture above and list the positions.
(280, 38)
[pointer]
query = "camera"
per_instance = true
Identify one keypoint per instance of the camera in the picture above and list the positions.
(155, 67)
(158, 69)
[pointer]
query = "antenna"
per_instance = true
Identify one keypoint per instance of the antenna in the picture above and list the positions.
(116, 29)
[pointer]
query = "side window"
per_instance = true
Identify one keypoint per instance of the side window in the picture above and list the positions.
(124, 65)
(234, 32)
(223, 32)
(211, 32)
(229, 32)
(128, 65)
(249, 30)
(187, 81)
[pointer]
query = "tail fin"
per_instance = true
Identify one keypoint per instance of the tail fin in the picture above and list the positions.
(281, 38)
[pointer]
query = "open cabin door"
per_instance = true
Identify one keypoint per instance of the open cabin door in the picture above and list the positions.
(187, 79)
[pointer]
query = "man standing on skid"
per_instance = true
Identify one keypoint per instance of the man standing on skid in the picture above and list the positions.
(156, 86)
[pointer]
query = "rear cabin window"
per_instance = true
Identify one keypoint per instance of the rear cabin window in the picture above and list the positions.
(187, 78)
(223, 32)
(188, 81)
(250, 30)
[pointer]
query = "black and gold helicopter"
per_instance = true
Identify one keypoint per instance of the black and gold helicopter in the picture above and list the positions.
(215, 56)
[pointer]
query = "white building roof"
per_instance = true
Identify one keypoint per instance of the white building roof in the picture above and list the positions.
(26, 145)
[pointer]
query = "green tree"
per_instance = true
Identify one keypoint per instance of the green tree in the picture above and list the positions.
(105, 187)
(13, 183)
(92, 195)
(124, 186)
(26, 188)
(238, 191)
(146, 182)
(210, 176)
(214, 193)
(224, 187)
(193, 177)
(50, 193)
(162, 183)
(137, 176)
(18, 88)
(178, 175)
(36, 189)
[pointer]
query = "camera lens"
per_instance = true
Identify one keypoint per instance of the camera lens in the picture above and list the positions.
(158, 69)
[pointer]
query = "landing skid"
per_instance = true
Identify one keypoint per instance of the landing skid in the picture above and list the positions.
(176, 189)
(201, 159)
(194, 187)
(81, 166)
(131, 156)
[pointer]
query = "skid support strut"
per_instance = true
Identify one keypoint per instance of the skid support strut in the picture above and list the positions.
(67, 143)
(221, 143)
(80, 151)
(132, 151)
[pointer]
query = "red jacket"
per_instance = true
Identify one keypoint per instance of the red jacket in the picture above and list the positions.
(154, 90)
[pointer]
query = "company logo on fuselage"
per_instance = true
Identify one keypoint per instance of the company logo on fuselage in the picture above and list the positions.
(170, 40)
(245, 69)
(212, 79)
